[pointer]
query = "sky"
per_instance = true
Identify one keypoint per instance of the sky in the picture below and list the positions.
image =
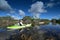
(44, 9)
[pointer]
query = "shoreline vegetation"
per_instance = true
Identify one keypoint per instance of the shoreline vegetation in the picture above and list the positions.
(8, 21)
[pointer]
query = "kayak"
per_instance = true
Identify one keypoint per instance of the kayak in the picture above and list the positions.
(18, 27)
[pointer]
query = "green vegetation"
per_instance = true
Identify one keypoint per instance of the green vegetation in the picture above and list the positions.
(28, 19)
(46, 21)
(55, 21)
(7, 21)
(58, 21)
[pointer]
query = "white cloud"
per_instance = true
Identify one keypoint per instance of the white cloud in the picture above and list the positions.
(37, 8)
(15, 17)
(4, 5)
(50, 4)
(12, 11)
(36, 16)
(22, 13)
(8, 14)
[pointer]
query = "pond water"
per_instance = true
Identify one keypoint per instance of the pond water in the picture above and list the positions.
(50, 28)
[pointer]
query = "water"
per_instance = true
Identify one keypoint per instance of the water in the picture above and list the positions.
(5, 34)
(49, 28)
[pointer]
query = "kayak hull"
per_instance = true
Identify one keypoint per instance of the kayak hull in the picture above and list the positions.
(18, 27)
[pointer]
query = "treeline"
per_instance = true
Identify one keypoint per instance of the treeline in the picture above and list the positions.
(7, 21)
(46, 21)
(55, 21)
(58, 21)
(28, 19)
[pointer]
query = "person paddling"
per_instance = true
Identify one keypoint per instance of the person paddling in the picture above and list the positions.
(20, 22)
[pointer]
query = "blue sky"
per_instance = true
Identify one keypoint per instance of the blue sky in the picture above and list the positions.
(46, 9)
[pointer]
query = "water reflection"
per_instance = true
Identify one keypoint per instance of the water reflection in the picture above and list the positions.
(48, 31)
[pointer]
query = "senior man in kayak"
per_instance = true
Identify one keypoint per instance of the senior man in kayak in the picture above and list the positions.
(21, 28)
(21, 23)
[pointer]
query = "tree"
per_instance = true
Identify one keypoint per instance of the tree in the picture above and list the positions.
(7, 21)
(58, 21)
(27, 19)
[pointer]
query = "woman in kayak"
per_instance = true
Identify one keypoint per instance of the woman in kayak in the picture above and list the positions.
(21, 23)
